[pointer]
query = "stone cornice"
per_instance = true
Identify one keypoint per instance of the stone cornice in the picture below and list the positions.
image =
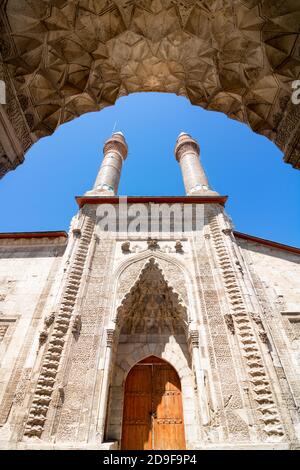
(34, 238)
(18, 235)
(82, 200)
(44, 237)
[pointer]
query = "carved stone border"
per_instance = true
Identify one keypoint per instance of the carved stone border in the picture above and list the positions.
(62, 324)
(242, 324)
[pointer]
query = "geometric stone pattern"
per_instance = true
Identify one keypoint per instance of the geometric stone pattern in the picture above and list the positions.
(3, 330)
(242, 324)
(6, 325)
(223, 375)
(294, 321)
(61, 326)
(80, 376)
(151, 307)
(210, 318)
(28, 268)
(275, 274)
(65, 58)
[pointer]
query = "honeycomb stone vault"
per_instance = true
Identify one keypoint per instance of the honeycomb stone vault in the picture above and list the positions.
(79, 311)
(62, 58)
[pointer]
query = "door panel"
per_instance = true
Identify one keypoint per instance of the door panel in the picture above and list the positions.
(168, 428)
(137, 409)
(153, 415)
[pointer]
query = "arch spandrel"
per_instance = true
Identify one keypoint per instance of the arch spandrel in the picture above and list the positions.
(65, 58)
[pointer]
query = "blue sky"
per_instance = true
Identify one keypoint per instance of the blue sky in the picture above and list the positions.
(264, 192)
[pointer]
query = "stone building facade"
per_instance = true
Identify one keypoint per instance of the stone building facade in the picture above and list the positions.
(79, 312)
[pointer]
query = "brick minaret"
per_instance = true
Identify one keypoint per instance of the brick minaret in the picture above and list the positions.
(115, 152)
(187, 153)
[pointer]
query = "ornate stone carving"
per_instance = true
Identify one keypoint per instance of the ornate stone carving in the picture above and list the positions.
(43, 337)
(239, 266)
(3, 330)
(110, 338)
(15, 136)
(44, 333)
(230, 323)
(22, 387)
(194, 338)
(49, 319)
(57, 78)
(261, 387)
(57, 339)
(76, 325)
(7, 325)
(178, 246)
(61, 394)
(152, 306)
(261, 329)
(125, 247)
(152, 244)
(76, 232)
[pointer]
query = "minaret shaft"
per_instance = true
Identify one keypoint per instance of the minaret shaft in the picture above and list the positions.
(187, 153)
(109, 174)
(192, 172)
(115, 152)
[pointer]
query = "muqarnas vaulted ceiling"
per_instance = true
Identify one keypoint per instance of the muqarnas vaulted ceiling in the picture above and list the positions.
(65, 58)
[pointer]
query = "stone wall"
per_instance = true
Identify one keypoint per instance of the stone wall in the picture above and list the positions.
(278, 269)
(28, 273)
(210, 315)
(275, 275)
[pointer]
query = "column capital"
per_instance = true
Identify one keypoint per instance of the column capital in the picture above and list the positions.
(110, 337)
(194, 338)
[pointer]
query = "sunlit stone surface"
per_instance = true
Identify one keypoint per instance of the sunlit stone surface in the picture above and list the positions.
(77, 312)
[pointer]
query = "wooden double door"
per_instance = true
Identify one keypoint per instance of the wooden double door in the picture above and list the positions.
(153, 416)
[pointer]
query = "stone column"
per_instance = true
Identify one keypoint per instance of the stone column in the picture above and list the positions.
(115, 152)
(187, 153)
(199, 373)
(105, 384)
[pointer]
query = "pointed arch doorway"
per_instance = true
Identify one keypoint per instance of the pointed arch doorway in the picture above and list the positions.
(152, 413)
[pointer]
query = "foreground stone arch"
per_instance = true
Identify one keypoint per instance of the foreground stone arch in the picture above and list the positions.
(63, 58)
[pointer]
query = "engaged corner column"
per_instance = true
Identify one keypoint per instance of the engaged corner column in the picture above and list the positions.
(115, 152)
(187, 153)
